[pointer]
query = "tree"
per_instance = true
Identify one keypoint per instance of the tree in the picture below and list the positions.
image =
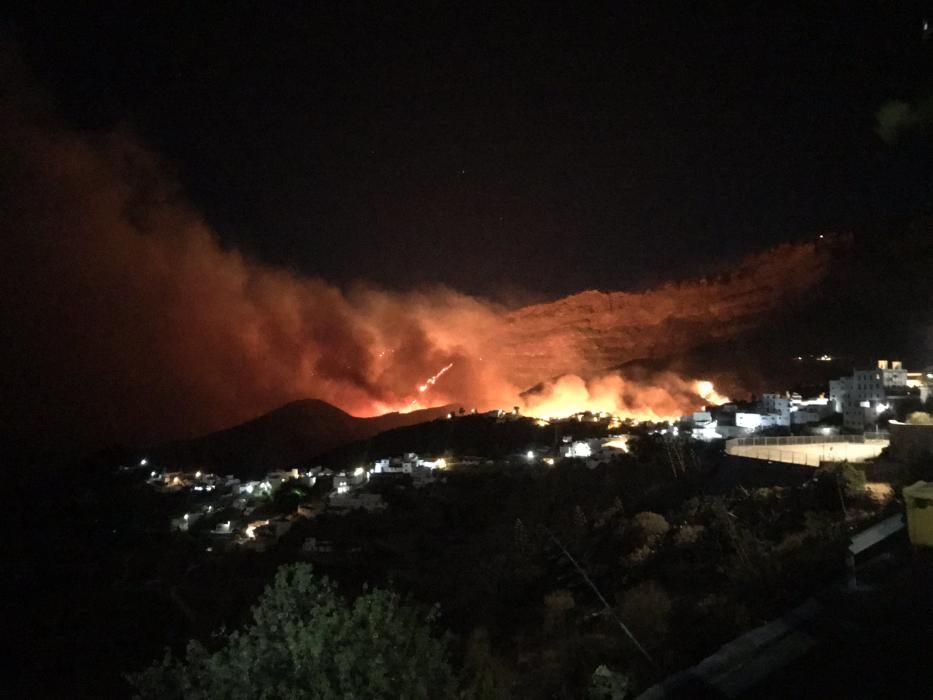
(306, 641)
(646, 609)
(842, 477)
(487, 678)
(649, 528)
(608, 685)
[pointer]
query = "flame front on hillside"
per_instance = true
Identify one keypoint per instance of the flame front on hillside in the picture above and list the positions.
(667, 397)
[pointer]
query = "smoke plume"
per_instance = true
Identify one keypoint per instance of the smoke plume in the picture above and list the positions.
(126, 319)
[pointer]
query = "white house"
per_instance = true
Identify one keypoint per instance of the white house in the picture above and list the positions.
(580, 448)
(397, 465)
(277, 478)
(756, 421)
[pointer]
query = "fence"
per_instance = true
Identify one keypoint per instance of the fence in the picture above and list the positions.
(805, 440)
(808, 450)
(775, 455)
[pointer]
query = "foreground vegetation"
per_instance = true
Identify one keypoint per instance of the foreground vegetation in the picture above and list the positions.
(516, 559)
(496, 571)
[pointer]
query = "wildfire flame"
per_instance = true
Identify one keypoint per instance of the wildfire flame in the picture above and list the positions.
(706, 391)
(665, 397)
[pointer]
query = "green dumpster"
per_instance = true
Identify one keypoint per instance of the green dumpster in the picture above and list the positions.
(919, 500)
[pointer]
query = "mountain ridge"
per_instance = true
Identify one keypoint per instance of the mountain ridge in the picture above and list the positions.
(284, 437)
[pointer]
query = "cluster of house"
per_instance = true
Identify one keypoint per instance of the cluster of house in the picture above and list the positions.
(230, 504)
(861, 399)
(772, 410)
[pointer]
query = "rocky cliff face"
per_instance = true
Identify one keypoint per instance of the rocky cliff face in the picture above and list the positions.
(594, 331)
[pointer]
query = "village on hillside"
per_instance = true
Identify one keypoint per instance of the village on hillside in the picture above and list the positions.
(872, 412)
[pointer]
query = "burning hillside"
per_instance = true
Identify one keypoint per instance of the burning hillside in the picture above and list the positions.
(132, 322)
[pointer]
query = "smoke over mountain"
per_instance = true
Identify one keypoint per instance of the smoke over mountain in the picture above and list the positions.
(125, 318)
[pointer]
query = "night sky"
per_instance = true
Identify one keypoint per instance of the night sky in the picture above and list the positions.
(508, 153)
(215, 209)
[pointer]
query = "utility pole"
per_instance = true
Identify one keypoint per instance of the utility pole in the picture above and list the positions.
(599, 595)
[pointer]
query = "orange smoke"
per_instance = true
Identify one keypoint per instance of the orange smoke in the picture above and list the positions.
(127, 320)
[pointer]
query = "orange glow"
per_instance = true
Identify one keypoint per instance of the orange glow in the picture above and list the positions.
(201, 337)
(666, 397)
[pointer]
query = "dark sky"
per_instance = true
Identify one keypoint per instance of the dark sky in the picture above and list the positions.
(539, 152)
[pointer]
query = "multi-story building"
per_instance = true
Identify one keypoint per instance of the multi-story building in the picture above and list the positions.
(779, 405)
(868, 393)
(892, 374)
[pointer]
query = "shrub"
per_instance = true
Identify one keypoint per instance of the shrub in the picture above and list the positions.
(556, 605)
(650, 527)
(305, 641)
(687, 535)
(847, 476)
(646, 609)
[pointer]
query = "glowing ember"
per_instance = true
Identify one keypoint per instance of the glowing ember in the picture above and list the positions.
(433, 380)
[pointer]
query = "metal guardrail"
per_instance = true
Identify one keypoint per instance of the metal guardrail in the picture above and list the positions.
(776, 455)
(806, 440)
(772, 447)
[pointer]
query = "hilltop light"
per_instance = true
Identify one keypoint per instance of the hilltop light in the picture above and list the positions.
(197, 475)
(530, 455)
(143, 462)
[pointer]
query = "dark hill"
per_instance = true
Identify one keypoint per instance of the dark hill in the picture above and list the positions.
(285, 437)
(876, 302)
(470, 435)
